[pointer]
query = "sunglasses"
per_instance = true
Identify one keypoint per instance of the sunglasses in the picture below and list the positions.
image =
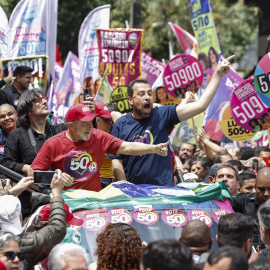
(12, 255)
(40, 99)
(9, 114)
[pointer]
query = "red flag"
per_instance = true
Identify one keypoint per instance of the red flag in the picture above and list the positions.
(58, 57)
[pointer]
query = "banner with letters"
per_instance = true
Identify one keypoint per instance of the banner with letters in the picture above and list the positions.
(120, 52)
(3, 35)
(151, 68)
(39, 63)
(32, 30)
(155, 212)
(88, 47)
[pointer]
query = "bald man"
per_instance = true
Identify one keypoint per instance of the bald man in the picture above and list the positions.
(248, 203)
(197, 236)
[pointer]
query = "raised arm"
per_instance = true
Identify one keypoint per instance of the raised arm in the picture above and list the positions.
(137, 149)
(189, 110)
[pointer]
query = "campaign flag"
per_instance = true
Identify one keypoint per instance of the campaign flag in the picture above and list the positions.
(88, 48)
(120, 52)
(32, 30)
(3, 35)
(105, 90)
(155, 212)
(151, 68)
(186, 40)
(68, 87)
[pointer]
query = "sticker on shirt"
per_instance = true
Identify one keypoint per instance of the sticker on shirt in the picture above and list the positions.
(119, 215)
(2, 149)
(201, 215)
(147, 138)
(219, 213)
(145, 215)
(80, 164)
(15, 102)
(174, 217)
(95, 220)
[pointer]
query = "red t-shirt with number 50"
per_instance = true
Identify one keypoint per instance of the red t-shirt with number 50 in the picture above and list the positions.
(81, 160)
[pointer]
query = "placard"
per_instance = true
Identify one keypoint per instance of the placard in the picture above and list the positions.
(183, 72)
(119, 98)
(262, 79)
(247, 109)
(230, 128)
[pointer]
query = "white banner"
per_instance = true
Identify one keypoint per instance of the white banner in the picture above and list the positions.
(88, 48)
(3, 34)
(32, 30)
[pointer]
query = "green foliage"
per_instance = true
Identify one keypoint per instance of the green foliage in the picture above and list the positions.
(236, 23)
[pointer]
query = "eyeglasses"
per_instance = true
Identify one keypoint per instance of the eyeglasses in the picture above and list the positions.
(12, 255)
(29, 78)
(40, 99)
(9, 114)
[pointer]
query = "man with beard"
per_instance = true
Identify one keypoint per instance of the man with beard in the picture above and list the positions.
(186, 150)
(151, 126)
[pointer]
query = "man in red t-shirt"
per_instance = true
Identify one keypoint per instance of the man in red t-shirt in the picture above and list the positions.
(79, 151)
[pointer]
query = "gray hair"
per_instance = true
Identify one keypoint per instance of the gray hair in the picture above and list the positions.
(59, 252)
(5, 237)
(8, 105)
(264, 215)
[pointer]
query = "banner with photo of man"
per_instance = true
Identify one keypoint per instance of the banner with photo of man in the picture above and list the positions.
(120, 52)
(3, 34)
(32, 30)
(88, 47)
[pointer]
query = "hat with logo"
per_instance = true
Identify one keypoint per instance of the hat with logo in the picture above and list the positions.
(44, 214)
(101, 110)
(73, 237)
(79, 112)
(10, 210)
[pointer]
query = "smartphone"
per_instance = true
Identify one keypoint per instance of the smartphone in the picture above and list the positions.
(43, 178)
(87, 92)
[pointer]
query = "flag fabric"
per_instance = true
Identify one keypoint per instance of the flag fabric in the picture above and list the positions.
(3, 34)
(120, 52)
(58, 57)
(151, 68)
(68, 87)
(32, 30)
(105, 90)
(156, 212)
(88, 48)
(186, 40)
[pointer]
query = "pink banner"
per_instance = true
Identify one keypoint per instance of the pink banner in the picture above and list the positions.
(120, 53)
(151, 68)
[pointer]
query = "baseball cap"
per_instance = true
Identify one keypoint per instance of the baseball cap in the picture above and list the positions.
(79, 112)
(190, 176)
(10, 211)
(101, 110)
(70, 218)
(250, 162)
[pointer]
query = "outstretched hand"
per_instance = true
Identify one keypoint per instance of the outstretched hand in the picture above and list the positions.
(90, 103)
(162, 149)
(224, 66)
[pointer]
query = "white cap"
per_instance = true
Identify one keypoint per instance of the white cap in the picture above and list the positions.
(191, 176)
(10, 210)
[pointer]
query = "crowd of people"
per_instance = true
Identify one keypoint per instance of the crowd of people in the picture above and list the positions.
(98, 146)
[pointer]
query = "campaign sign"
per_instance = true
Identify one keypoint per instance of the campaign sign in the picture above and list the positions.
(94, 219)
(119, 215)
(219, 213)
(247, 109)
(262, 79)
(145, 215)
(174, 217)
(230, 128)
(119, 98)
(184, 72)
(201, 215)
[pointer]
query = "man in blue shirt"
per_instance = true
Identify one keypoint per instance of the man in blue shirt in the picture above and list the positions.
(151, 126)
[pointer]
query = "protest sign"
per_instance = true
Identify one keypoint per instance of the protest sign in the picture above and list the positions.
(39, 64)
(247, 109)
(3, 35)
(32, 30)
(88, 47)
(156, 212)
(119, 98)
(183, 73)
(120, 53)
(230, 128)
(262, 79)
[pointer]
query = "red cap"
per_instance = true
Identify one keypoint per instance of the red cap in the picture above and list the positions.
(101, 110)
(70, 218)
(79, 112)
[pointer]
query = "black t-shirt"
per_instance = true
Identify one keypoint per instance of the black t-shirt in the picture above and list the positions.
(9, 95)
